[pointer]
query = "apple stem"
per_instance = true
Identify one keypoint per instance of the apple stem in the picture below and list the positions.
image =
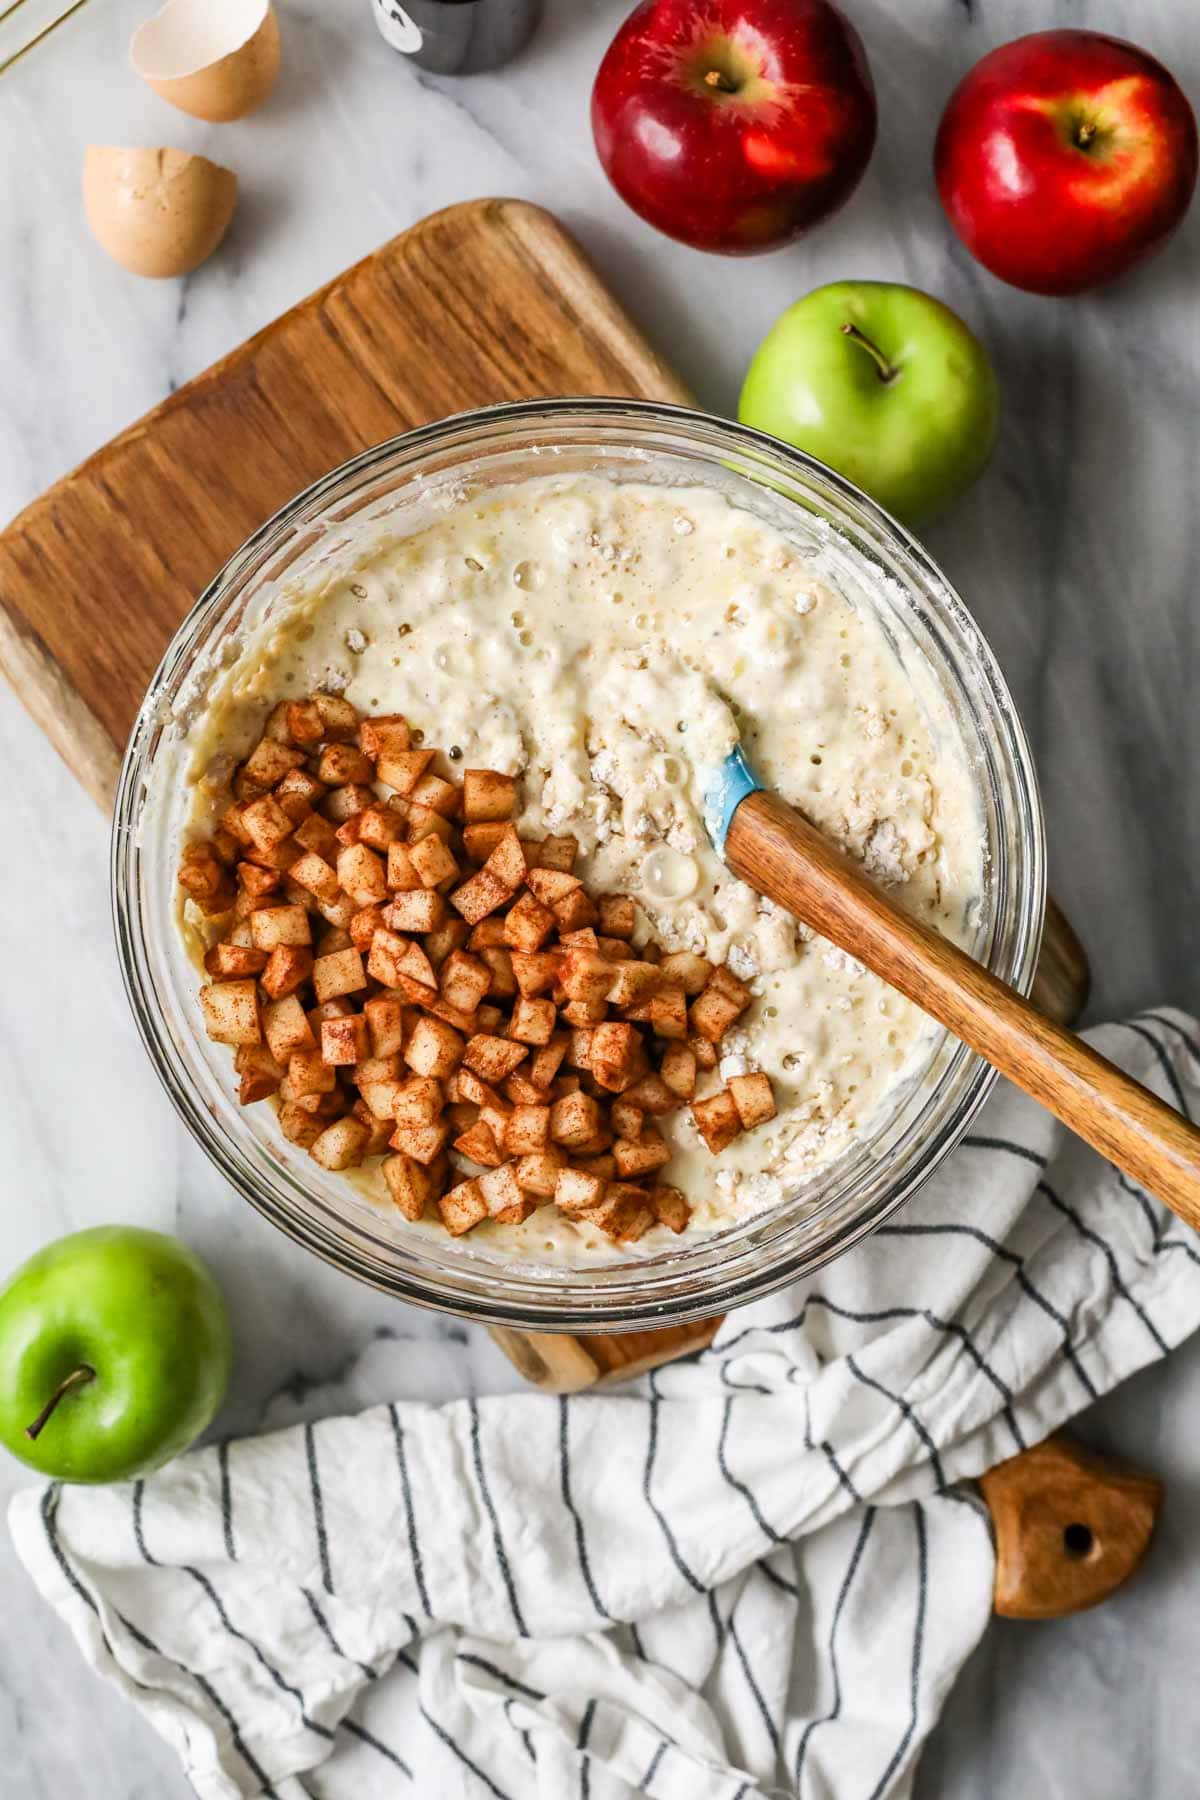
(76, 1378)
(716, 78)
(887, 370)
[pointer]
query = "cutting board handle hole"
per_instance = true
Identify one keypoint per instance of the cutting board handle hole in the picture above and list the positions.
(1078, 1541)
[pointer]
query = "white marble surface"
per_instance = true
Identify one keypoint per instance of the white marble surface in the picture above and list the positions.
(1080, 554)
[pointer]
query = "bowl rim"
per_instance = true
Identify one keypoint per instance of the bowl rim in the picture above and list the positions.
(624, 1315)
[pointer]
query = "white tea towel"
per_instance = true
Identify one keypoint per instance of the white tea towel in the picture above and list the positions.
(755, 1574)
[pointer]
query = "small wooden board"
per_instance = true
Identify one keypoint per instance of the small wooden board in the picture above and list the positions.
(491, 300)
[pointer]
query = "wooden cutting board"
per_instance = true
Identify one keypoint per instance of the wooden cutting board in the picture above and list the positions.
(491, 300)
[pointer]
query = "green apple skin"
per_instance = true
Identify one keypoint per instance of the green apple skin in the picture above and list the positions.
(142, 1311)
(914, 438)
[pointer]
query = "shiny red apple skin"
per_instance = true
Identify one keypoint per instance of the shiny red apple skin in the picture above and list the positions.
(1034, 205)
(744, 171)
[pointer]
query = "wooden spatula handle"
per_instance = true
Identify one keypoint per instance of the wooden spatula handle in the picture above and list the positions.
(781, 855)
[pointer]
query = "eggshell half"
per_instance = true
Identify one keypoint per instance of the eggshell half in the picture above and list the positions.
(215, 59)
(156, 212)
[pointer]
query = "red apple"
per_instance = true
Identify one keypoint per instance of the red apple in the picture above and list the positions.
(734, 125)
(1064, 158)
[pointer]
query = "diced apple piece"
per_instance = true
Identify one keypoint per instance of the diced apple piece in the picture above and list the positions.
(574, 1120)
(668, 1013)
(683, 968)
(712, 1014)
(416, 910)
(402, 769)
(360, 873)
(537, 1173)
(433, 1049)
(266, 822)
(434, 862)
(528, 1129)
(623, 1214)
(380, 825)
(753, 1098)
(286, 1028)
(558, 853)
(462, 1208)
(479, 895)
(231, 1012)
(481, 840)
(385, 1024)
(288, 967)
(299, 1126)
(274, 925)
(229, 961)
(635, 1159)
(535, 971)
(269, 762)
(632, 982)
(678, 1070)
(341, 1145)
(344, 1041)
(670, 1208)
(493, 1058)
(529, 923)
(340, 764)
(488, 795)
(652, 1094)
(576, 1190)
(408, 1184)
(478, 1144)
(717, 1120)
(618, 915)
(341, 973)
(547, 1061)
(260, 1073)
(384, 735)
(464, 980)
(339, 720)
(422, 1142)
(313, 873)
(533, 1022)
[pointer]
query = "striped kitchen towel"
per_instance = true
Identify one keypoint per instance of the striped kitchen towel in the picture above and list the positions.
(756, 1573)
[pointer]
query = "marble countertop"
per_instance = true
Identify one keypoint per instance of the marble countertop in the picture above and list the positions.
(1079, 553)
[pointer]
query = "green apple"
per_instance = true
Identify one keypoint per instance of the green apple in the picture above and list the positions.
(883, 383)
(114, 1354)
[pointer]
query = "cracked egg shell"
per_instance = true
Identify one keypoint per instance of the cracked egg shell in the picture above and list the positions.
(156, 212)
(214, 59)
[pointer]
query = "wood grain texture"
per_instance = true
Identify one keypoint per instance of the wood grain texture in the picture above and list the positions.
(779, 853)
(487, 301)
(1071, 1527)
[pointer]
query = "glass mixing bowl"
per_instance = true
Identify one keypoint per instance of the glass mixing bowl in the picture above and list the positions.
(877, 565)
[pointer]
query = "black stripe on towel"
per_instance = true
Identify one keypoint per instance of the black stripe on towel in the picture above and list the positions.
(1163, 1061)
(838, 1470)
(661, 1518)
(360, 1731)
(739, 1486)
(414, 1547)
(326, 1630)
(906, 1410)
(226, 1500)
(914, 1679)
(318, 1507)
(499, 1674)
(751, 1683)
(497, 1538)
(652, 1767)
(521, 1732)
(227, 1625)
(564, 1464)
(838, 1605)
(284, 1686)
(441, 1732)
(1015, 1262)
(585, 1766)
(1093, 1237)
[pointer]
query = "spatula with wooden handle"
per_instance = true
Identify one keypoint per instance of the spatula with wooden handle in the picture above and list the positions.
(777, 852)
